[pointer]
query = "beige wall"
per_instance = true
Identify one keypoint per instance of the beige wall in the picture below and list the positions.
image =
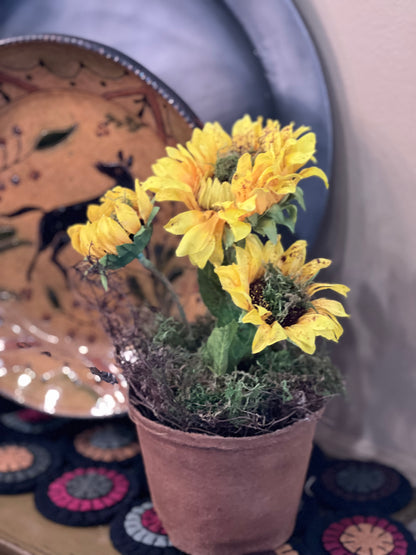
(368, 49)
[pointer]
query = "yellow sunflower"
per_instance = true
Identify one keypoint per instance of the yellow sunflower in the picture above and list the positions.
(122, 213)
(223, 179)
(275, 288)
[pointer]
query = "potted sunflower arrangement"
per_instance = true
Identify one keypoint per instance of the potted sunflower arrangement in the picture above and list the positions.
(226, 404)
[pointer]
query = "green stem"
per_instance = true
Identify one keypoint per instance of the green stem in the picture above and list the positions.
(161, 277)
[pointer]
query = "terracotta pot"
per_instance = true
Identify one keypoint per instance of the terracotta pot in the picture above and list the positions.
(226, 496)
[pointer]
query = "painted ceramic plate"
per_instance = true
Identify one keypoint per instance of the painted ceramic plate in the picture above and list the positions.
(76, 118)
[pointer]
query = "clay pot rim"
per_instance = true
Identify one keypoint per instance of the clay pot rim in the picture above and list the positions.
(217, 442)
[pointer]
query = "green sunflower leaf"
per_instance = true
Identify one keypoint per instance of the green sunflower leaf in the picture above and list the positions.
(241, 345)
(217, 349)
(228, 237)
(227, 346)
(253, 219)
(299, 197)
(104, 281)
(218, 301)
(283, 216)
(153, 213)
(267, 226)
(291, 217)
(128, 251)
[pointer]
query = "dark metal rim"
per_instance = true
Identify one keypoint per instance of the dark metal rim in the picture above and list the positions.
(118, 57)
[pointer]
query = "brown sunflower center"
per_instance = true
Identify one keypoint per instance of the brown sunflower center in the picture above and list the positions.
(256, 293)
(281, 295)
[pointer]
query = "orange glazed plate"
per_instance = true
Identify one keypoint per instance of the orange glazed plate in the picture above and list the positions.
(76, 118)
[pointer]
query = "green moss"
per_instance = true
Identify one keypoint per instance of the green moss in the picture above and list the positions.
(225, 167)
(173, 333)
(286, 300)
(272, 389)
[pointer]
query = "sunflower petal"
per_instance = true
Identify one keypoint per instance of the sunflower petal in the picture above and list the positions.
(267, 335)
(311, 268)
(240, 229)
(331, 331)
(229, 276)
(301, 151)
(119, 193)
(302, 336)
(248, 205)
(95, 211)
(232, 217)
(144, 203)
(264, 200)
(231, 281)
(217, 256)
(89, 244)
(272, 253)
(331, 307)
(337, 287)
(250, 259)
(256, 316)
(200, 241)
(214, 194)
(201, 257)
(183, 222)
(293, 258)
(314, 172)
(322, 325)
(109, 234)
(74, 233)
(166, 189)
(127, 217)
(196, 239)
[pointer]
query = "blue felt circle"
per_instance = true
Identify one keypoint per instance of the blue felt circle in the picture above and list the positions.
(89, 486)
(129, 535)
(360, 479)
(350, 484)
(45, 459)
(112, 436)
(85, 486)
(317, 527)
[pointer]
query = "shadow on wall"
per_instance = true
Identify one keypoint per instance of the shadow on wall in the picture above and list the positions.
(367, 232)
(371, 244)
(390, 402)
(378, 413)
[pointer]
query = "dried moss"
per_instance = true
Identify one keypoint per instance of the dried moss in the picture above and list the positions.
(170, 382)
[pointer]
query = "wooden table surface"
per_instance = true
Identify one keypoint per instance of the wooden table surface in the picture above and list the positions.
(24, 531)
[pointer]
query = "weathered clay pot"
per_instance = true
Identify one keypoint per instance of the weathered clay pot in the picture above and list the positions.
(226, 496)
